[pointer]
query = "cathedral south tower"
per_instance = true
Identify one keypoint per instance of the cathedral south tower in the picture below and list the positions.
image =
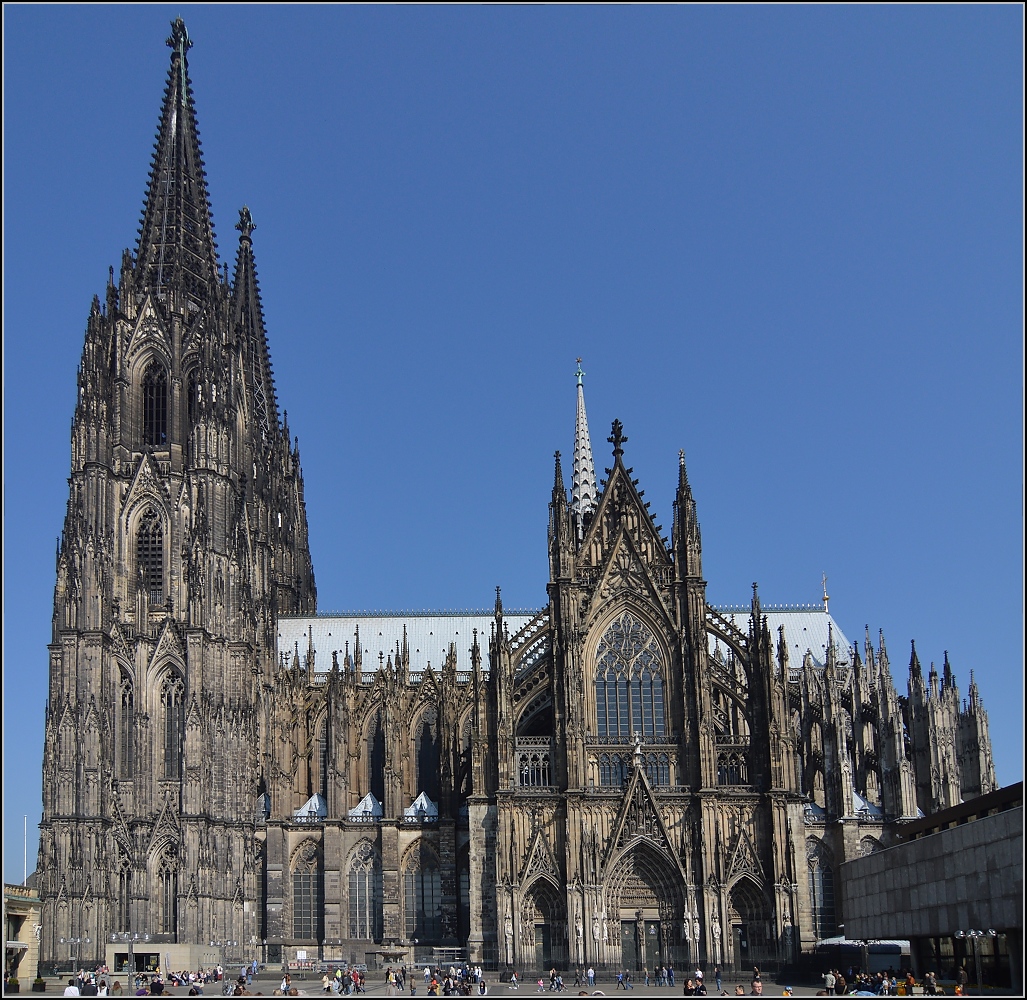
(185, 537)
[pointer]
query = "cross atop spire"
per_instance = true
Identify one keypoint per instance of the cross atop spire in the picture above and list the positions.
(176, 240)
(583, 477)
(617, 438)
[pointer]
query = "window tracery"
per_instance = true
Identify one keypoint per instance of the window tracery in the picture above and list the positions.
(155, 405)
(126, 720)
(365, 893)
(173, 704)
(629, 683)
(306, 893)
(150, 557)
(820, 874)
(422, 894)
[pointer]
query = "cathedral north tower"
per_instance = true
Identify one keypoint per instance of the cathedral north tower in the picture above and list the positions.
(185, 537)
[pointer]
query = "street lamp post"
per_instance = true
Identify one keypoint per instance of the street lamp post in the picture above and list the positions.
(975, 942)
(74, 942)
(130, 939)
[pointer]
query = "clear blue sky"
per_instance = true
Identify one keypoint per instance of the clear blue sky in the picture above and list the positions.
(787, 239)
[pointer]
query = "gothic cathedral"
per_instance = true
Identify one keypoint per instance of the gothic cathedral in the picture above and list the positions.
(627, 776)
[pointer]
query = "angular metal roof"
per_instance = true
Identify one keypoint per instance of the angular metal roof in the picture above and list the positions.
(429, 634)
(806, 627)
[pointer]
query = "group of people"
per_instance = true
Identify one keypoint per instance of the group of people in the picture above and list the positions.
(885, 984)
(340, 982)
(103, 983)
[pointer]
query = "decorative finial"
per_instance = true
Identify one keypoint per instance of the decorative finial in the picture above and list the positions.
(826, 598)
(579, 374)
(245, 225)
(617, 438)
(179, 38)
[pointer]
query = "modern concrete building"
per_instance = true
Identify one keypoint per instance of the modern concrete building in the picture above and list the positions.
(955, 872)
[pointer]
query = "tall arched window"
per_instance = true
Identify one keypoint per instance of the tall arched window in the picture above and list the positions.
(307, 897)
(422, 894)
(155, 405)
(629, 681)
(365, 894)
(322, 759)
(126, 721)
(122, 915)
(820, 869)
(150, 557)
(193, 397)
(376, 758)
(428, 762)
(167, 892)
(173, 704)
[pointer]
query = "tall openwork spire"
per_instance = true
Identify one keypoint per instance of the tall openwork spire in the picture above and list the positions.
(583, 481)
(176, 239)
(248, 318)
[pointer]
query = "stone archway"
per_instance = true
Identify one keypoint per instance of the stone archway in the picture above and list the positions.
(645, 901)
(751, 919)
(544, 925)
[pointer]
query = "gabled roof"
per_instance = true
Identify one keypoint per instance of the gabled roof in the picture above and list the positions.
(422, 806)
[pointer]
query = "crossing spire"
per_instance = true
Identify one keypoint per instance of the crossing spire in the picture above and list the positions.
(583, 479)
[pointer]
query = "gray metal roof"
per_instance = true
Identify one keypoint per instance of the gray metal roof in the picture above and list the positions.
(805, 628)
(429, 634)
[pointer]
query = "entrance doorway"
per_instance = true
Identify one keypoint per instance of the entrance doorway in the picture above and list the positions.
(628, 945)
(543, 947)
(653, 945)
(741, 941)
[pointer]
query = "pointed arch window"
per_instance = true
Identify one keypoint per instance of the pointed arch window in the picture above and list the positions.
(422, 895)
(155, 405)
(307, 895)
(365, 894)
(167, 892)
(173, 704)
(193, 397)
(122, 918)
(629, 681)
(428, 763)
(322, 760)
(126, 723)
(150, 557)
(376, 758)
(820, 873)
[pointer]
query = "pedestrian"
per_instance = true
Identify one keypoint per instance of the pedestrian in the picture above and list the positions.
(717, 977)
(591, 976)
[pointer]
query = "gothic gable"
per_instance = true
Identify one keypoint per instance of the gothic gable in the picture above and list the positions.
(621, 509)
(624, 574)
(540, 859)
(639, 818)
(744, 860)
(146, 486)
(149, 333)
(169, 646)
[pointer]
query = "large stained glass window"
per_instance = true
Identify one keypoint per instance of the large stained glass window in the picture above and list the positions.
(820, 869)
(422, 892)
(629, 681)
(365, 894)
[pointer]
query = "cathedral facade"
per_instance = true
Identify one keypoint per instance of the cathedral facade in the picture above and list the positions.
(627, 776)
